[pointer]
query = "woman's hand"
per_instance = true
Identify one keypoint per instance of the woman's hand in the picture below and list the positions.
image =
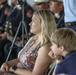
(5, 67)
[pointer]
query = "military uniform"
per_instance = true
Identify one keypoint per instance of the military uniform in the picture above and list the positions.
(3, 16)
(14, 18)
(13, 21)
(11, 25)
(59, 18)
(3, 7)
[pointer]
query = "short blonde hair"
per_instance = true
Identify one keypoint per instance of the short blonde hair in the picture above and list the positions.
(65, 37)
(48, 25)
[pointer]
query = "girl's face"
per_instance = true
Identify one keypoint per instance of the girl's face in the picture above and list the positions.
(35, 26)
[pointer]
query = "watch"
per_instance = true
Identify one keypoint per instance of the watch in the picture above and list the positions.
(14, 68)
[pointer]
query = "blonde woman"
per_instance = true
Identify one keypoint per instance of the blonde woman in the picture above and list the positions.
(33, 59)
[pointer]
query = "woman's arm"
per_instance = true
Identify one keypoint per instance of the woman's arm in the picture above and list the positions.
(7, 65)
(41, 64)
(12, 62)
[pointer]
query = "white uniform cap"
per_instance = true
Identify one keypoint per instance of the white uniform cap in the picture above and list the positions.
(40, 1)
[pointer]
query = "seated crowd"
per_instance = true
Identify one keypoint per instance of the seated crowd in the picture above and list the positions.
(50, 40)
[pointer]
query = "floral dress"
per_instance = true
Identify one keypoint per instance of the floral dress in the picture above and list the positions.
(27, 57)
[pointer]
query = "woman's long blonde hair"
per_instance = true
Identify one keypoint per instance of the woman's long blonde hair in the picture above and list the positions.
(48, 25)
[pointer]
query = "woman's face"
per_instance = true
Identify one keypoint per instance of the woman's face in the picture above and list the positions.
(35, 26)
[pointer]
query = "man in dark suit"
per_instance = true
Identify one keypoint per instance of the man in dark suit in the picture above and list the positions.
(11, 25)
(57, 8)
(4, 9)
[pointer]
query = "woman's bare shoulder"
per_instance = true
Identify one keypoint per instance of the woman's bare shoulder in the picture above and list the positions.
(46, 47)
(44, 50)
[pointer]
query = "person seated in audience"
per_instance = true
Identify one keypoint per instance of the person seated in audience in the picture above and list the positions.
(57, 8)
(33, 59)
(4, 9)
(63, 49)
(11, 25)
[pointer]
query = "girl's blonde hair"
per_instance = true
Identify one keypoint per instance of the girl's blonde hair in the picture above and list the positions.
(48, 25)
